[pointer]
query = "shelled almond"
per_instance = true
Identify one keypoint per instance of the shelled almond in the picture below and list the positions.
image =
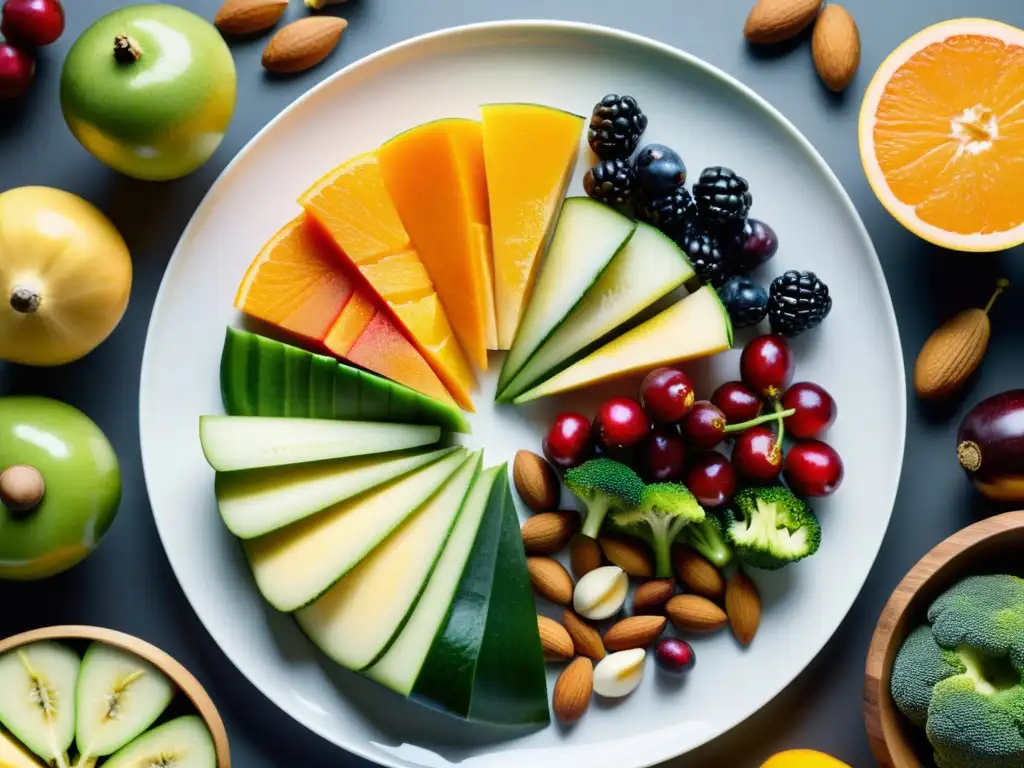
(631, 556)
(549, 532)
(584, 555)
(303, 44)
(693, 613)
(743, 607)
(586, 639)
(550, 580)
(574, 690)
(554, 640)
(536, 481)
(634, 632)
(651, 596)
(698, 574)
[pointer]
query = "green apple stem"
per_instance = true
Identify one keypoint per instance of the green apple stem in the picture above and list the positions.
(25, 300)
(21, 488)
(126, 49)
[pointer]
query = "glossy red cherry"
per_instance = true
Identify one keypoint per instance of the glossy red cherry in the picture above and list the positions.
(32, 22)
(704, 425)
(675, 655)
(757, 455)
(17, 68)
(813, 468)
(737, 401)
(621, 423)
(712, 479)
(667, 394)
(815, 409)
(766, 365)
(665, 456)
(567, 444)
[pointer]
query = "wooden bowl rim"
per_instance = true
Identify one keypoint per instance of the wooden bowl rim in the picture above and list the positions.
(181, 677)
(936, 559)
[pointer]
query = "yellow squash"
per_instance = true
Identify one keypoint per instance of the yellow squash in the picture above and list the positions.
(803, 758)
(65, 276)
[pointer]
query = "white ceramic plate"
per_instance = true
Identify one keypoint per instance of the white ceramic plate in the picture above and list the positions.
(712, 120)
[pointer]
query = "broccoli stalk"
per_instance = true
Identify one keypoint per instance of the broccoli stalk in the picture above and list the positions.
(603, 485)
(665, 510)
(962, 677)
(708, 538)
(771, 528)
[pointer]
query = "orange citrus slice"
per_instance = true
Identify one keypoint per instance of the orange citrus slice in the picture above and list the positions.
(942, 135)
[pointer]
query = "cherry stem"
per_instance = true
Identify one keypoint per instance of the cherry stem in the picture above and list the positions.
(782, 425)
(777, 415)
(1001, 286)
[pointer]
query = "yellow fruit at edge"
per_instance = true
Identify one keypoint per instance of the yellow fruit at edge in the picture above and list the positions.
(803, 758)
(65, 276)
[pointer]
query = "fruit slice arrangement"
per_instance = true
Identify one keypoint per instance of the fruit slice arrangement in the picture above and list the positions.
(398, 557)
(76, 711)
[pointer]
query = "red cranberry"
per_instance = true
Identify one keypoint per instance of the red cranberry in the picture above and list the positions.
(815, 410)
(17, 68)
(737, 401)
(32, 22)
(666, 394)
(813, 468)
(666, 456)
(567, 443)
(757, 455)
(704, 426)
(766, 365)
(675, 655)
(712, 479)
(621, 423)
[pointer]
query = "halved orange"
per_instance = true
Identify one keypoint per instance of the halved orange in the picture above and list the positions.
(942, 135)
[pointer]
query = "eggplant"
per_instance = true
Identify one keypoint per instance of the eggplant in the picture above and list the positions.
(990, 446)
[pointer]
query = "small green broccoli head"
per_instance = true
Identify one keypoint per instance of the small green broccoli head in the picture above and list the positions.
(984, 612)
(920, 664)
(603, 485)
(664, 510)
(770, 527)
(976, 718)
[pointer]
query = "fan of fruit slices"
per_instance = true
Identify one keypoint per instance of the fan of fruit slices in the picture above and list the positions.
(378, 305)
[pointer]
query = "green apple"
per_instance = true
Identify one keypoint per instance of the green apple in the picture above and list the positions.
(149, 90)
(60, 486)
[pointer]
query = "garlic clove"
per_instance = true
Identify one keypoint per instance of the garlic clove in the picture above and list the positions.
(601, 593)
(619, 674)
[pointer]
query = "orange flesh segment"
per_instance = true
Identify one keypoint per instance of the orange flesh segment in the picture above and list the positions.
(433, 174)
(527, 180)
(352, 206)
(353, 320)
(949, 135)
(294, 284)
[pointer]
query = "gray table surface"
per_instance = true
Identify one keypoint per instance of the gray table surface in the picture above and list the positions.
(128, 584)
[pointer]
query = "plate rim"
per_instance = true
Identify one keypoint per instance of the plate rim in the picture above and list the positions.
(526, 26)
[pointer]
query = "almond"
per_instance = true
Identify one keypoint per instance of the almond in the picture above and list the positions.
(573, 690)
(303, 44)
(634, 632)
(693, 613)
(836, 47)
(536, 482)
(651, 596)
(697, 573)
(585, 639)
(954, 351)
(550, 580)
(743, 605)
(548, 532)
(247, 17)
(585, 555)
(554, 640)
(630, 556)
(772, 21)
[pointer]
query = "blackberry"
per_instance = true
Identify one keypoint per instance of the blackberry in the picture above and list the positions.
(669, 211)
(702, 250)
(745, 300)
(797, 302)
(611, 182)
(615, 127)
(723, 198)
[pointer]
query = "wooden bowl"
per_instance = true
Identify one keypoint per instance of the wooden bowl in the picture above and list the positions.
(991, 546)
(180, 676)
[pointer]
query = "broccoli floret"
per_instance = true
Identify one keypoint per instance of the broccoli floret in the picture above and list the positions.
(984, 612)
(708, 538)
(603, 485)
(920, 664)
(664, 510)
(962, 676)
(770, 528)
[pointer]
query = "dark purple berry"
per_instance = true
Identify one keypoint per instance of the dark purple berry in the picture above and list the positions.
(675, 655)
(755, 244)
(659, 168)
